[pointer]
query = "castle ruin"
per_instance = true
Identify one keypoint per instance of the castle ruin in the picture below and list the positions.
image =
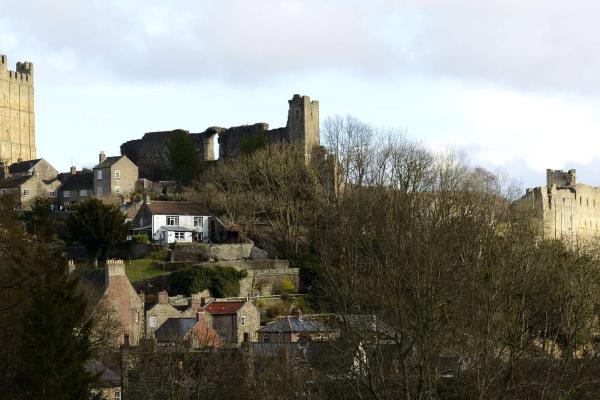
(567, 209)
(17, 119)
(151, 156)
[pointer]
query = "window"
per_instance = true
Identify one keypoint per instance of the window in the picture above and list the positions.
(26, 192)
(136, 315)
(99, 191)
(179, 235)
(172, 221)
(117, 174)
(52, 193)
(243, 320)
(117, 189)
(117, 395)
(99, 174)
(198, 222)
(152, 322)
(83, 193)
(67, 193)
(2, 192)
(266, 338)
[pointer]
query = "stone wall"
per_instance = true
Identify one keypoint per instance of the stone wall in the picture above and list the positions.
(218, 252)
(17, 118)
(567, 210)
(150, 152)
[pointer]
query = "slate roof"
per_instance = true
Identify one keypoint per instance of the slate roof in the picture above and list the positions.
(176, 228)
(223, 307)
(109, 161)
(81, 180)
(174, 329)
(14, 181)
(23, 166)
(294, 324)
(176, 208)
(107, 378)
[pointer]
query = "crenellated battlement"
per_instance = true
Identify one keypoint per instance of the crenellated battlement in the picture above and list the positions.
(23, 72)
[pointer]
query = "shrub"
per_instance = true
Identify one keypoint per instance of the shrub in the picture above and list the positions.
(140, 237)
(221, 281)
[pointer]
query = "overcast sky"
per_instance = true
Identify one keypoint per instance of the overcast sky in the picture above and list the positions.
(516, 84)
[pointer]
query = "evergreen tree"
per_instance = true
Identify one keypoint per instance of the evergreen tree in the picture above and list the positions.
(96, 226)
(40, 221)
(56, 337)
(182, 156)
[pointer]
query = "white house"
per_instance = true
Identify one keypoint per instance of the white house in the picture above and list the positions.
(173, 221)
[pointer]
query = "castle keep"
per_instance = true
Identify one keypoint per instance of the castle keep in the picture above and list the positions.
(150, 152)
(17, 122)
(567, 209)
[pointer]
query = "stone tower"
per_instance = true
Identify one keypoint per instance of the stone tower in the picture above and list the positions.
(303, 123)
(17, 118)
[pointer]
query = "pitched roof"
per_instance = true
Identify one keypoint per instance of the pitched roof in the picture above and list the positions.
(223, 307)
(294, 324)
(14, 181)
(174, 329)
(108, 162)
(81, 180)
(176, 208)
(23, 166)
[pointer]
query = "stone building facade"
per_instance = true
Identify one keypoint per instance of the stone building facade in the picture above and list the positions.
(568, 210)
(17, 118)
(150, 152)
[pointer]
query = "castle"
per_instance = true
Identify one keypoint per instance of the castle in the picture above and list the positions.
(17, 119)
(150, 155)
(567, 209)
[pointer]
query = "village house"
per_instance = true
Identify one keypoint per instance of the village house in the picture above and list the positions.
(172, 221)
(191, 332)
(158, 313)
(77, 186)
(109, 291)
(26, 180)
(235, 321)
(114, 178)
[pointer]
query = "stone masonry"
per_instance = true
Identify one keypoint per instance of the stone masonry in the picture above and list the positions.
(17, 119)
(567, 209)
(151, 156)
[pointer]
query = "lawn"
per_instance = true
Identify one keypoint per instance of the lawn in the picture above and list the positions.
(141, 269)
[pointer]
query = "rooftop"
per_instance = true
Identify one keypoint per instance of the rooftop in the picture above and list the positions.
(176, 228)
(81, 180)
(174, 329)
(294, 324)
(14, 181)
(223, 307)
(176, 208)
(109, 161)
(23, 166)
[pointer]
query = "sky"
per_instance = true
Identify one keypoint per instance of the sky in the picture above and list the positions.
(514, 84)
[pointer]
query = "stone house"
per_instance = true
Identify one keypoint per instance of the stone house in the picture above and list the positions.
(38, 167)
(26, 188)
(191, 332)
(114, 178)
(109, 291)
(159, 313)
(235, 321)
(77, 186)
(172, 221)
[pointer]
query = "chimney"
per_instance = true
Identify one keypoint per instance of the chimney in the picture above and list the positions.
(19, 159)
(163, 297)
(5, 172)
(114, 268)
(101, 157)
(142, 296)
(73, 170)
